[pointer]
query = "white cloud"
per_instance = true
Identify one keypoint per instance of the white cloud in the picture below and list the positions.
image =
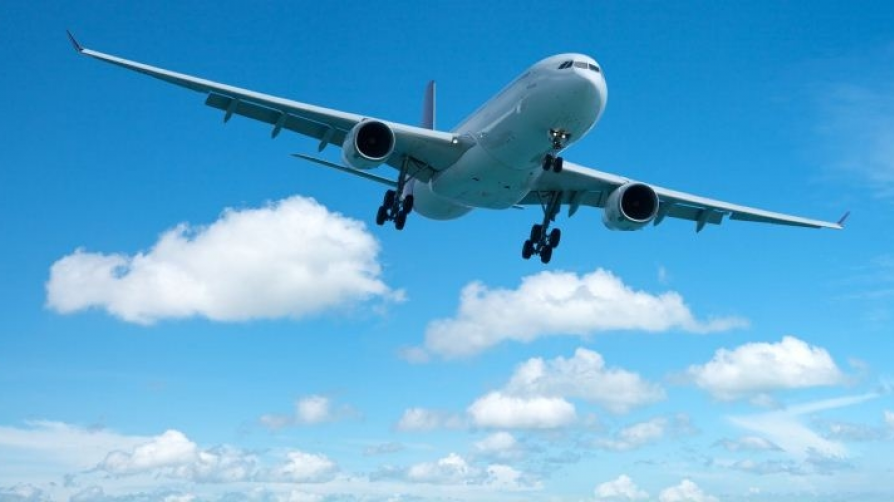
(785, 429)
(889, 418)
(586, 377)
(56, 445)
(304, 467)
(309, 410)
(686, 491)
(170, 449)
(622, 488)
(755, 368)
(421, 419)
(291, 259)
(748, 443)
(644, 433)
(452, 469)
(502, 411)
(559, 303)
(501, 445)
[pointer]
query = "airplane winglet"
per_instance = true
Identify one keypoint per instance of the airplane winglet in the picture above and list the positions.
(844, 219)
(74, 42)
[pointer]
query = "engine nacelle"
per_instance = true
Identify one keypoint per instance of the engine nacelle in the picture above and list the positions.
(368, 145)
(630, 207)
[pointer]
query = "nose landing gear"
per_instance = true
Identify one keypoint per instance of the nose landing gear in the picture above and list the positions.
(558, 138)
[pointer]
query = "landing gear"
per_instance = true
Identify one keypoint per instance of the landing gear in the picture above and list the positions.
(553, 162)
(395, 206)
(542, 240)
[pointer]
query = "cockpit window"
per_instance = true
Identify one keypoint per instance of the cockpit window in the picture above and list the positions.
(580, 64)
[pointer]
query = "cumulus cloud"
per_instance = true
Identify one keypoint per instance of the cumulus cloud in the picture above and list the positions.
(454, 470)
(754, 368)
(686, 491)
(301, 467)
(502, 411)
(309, 410)
(292, 258)
(559, 303)
(622, 488)
(648, 432)
(584, 376)
(500, 445)
(170, 449)
(421, 419)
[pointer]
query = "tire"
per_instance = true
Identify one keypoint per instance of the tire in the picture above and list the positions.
(546, 254)
(408, 204)
(389, 198)
(547, 162)
(527, 250)
(558, 164)
(554, 237)
(400, 220)
(536, 233)
(381, 216)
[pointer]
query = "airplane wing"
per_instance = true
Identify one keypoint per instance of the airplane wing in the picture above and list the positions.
(430, 150)
(582, 186)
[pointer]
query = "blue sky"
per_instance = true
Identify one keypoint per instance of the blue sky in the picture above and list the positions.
(192, 314)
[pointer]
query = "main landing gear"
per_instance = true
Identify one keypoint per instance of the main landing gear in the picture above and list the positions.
(553, 162)
(396, 206)
(543, 240)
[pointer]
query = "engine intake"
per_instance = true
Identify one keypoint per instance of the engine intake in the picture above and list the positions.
(368, 144)
(630, 207)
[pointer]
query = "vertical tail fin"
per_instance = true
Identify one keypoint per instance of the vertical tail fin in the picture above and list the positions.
(428, 107)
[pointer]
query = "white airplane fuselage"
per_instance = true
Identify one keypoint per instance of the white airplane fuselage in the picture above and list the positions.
(511, 136)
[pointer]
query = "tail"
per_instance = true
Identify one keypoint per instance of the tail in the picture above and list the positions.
(428, 107)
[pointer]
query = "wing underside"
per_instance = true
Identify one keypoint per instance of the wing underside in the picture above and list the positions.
(582, 186)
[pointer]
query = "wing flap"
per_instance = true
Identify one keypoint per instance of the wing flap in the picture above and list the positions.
(279, 119)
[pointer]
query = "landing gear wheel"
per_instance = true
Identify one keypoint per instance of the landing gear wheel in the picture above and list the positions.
(558, 164)
(389, 198)
(548, 162)
(546, 254)
(381, 216)
(400, 220)
(554, 237)
(408, 204)
(536, 233)
(527, 250)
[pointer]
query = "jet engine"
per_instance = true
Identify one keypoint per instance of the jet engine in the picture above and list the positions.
(630, 207)
(369, 144)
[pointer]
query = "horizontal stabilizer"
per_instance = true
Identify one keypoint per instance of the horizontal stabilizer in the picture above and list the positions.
(349, 170)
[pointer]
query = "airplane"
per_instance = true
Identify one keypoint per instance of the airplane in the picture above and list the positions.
(506, 154)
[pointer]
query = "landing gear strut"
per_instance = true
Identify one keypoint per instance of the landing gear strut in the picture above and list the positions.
(551, 161)
(396, 206)
(542, 240)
